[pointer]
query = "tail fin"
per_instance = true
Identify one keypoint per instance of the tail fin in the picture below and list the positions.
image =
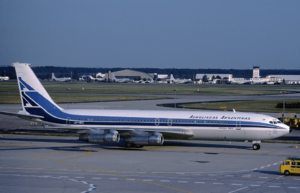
(53, 76)
(171, 77)
(33, 94)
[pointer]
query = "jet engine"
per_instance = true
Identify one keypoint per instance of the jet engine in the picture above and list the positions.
(111, 137)
(156, 139)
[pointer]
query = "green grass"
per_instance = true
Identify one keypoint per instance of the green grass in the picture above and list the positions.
(248, 106)
(14, 98)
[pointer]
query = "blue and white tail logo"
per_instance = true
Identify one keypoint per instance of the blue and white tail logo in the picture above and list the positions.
(32, 92)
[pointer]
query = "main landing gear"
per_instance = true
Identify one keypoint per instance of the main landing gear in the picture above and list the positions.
(133, 145)
(255, 145)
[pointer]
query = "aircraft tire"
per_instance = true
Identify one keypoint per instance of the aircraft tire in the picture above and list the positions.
(255, 146)
(129, 145)
(286, 172)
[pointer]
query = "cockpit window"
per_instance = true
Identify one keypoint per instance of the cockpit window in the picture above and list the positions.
(271, 122)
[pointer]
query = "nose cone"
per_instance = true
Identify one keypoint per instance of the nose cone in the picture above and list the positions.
(286, 128)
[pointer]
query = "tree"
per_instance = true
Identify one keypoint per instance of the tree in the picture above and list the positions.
(213, 77)
(75, 76)
(204, 78)
(218, 77)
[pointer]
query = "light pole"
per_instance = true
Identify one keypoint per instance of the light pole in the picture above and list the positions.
(283, 106)
(175, 97)
(68, 89)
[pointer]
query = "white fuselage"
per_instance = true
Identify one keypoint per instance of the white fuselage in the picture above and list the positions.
(203, 125)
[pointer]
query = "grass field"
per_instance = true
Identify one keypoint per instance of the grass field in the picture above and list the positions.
(187, 89)
(248, 106)
(14, 98)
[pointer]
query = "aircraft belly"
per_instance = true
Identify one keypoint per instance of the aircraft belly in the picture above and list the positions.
(232, 133)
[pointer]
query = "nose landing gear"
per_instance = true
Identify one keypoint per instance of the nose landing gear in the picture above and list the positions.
(255, 146)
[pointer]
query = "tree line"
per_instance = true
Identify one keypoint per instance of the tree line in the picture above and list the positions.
(45, 72)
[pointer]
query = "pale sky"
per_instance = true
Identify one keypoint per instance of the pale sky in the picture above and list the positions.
(151, 33)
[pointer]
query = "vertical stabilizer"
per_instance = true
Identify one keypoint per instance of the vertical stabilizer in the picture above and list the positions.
(32, 92)
(171, 77)
(53, 77)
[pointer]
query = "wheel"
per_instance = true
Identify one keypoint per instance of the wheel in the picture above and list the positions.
(286, 172)
(256, 146)
(128, 145)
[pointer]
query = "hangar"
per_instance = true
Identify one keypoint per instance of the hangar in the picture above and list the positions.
(132, 74)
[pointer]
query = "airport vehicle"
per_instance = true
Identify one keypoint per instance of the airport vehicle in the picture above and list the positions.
(291, 165)
(65, 79)
(139, 128)
(2, 78)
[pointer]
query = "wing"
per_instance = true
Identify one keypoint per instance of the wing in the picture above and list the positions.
(168, 133)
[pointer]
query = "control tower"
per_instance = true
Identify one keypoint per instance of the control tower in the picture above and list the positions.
(255, 72)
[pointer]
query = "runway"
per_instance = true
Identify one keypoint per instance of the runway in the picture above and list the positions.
(65, 164)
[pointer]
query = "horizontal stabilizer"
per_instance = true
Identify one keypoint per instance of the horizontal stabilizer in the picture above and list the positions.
(21, 115)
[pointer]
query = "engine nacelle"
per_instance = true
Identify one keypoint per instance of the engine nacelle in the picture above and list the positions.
(146, 140)
(112, 137)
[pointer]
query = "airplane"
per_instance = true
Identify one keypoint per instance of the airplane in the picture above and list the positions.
(65, 79)
(2, 78)
(140, 127)
(179, 81)
(240, 82)
(120, 80)
(96, 79)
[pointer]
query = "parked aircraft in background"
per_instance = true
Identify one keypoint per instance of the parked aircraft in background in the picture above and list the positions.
(140, 127)
(96, 79)
(66, 79)
(179, 81)
(120, 80)
(240, 82)
(2, 78)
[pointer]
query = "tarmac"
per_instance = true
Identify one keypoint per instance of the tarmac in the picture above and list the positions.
(64, 164)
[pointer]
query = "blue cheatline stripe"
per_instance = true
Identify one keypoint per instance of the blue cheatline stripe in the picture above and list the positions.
(29, 100)
(27, 86)
(21, 86)
(52, 114)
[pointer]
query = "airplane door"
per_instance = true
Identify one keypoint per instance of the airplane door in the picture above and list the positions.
(170, 122)
(157, 121)
(238, 125)
(68, 121)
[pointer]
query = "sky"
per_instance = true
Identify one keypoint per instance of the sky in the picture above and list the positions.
(225, 34)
